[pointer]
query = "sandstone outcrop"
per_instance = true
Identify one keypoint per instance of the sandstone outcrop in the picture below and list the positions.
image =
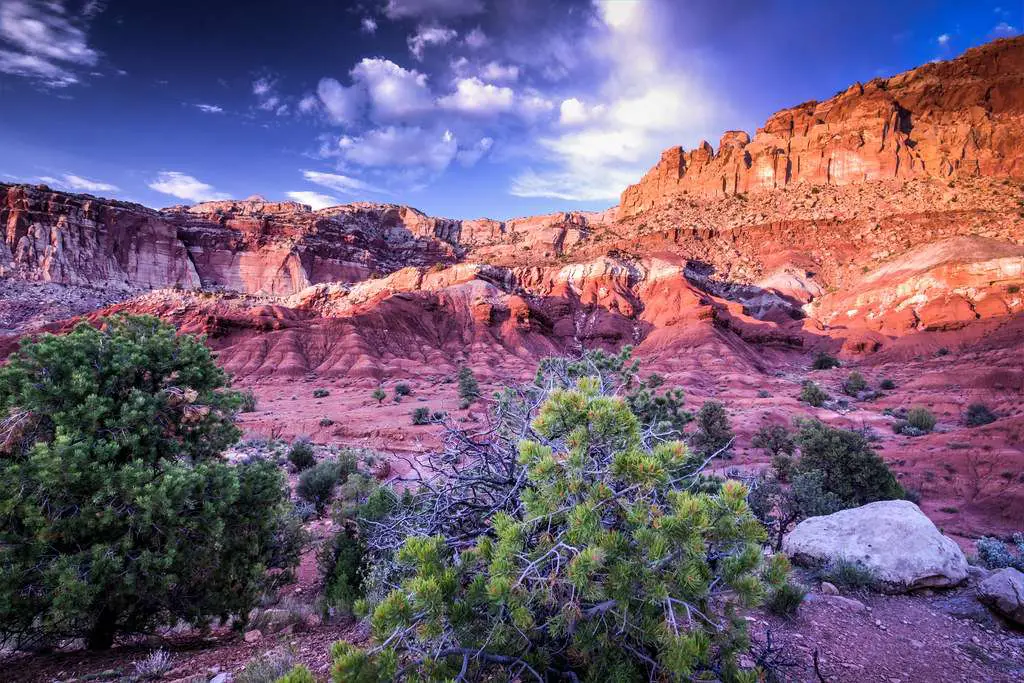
(892, 539)
(1004, 592)
(960, 118)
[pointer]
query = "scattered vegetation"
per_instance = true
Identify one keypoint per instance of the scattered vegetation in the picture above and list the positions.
(267, 668)
(825, 361)
(786, 599)
(995, 554)
(887, 384)
(854, 384)
(326, 422)
(153, 666)
(714, 432)
(421, 416)
(321, 393)
(813, 395)
(378, 395)
(247, 401)
(916, 422)
(301, 454)
(847, 574)
(316, 484)
(979, 414)
(117, 512)
(469, 390)
(298, 674)
(402, 389)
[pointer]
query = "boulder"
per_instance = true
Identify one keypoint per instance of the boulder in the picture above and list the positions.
(1004, 593)
(892, 539)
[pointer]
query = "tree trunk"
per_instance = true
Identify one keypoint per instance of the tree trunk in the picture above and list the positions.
(101, 637)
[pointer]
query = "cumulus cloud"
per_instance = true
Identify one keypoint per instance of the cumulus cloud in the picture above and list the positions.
(79, 184)
(400, 146)
(394, 92)
(476, 39)
(498, 73)
(943, 39)
(210, 109)
(471, 155)
(342, 104)
(316, 200)
(339, 183)
(184, 186)
(368, 25)
(308, 104)
(427, 36)
(405, 9)
(41, 40)
(473, 96)
(643, 105)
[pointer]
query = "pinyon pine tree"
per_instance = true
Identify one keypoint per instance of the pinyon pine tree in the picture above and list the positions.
(117, 513)
(606, 566)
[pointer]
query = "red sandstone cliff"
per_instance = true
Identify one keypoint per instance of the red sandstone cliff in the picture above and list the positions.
(961, 118)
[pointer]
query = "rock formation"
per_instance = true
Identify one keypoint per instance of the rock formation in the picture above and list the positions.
(961, 118)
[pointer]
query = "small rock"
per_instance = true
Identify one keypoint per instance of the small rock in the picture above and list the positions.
(916, 644)
(253, 636)
(223, 677)
(1004, 593)
(829, 588)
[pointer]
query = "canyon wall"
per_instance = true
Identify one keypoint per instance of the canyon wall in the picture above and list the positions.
(960, 118)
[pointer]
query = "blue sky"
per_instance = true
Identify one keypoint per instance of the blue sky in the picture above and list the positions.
(462, 108)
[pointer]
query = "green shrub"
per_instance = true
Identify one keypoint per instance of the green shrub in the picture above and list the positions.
(978, 414)
(813, 395)
(316, 484)
(921, 419)
(847, 574)
(117, 512)
(779, 507)
(321, 393)
(786, 599)
(714, 433)
(774, 439)
(268, 667)
(326, 422)
(421, 416)
(887, 384)
(854, 384)
(402, 389)
(851, 468)
(301, 454)
(247, 401)
(591, 575)
(994, 554)
(469, 390)
(378, 395)
(825, 361)
(298, 674)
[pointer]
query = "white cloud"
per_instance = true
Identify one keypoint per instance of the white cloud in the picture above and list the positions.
(44, 41)
(339, 183)
(262, 86)
(308, 104)
(404, 9)
(79, 184)
(498, 73)
(400, 146)
(184, 186)
(476, 38)
(533, 105)
(394, 92)
(1004, 30)
(267, 98)
(316, 200)
(210, 109)
(343, 105)
(426, 36)
(643, 105)
(943, 39)
(473, 96)
(471, 155)
(368, 25)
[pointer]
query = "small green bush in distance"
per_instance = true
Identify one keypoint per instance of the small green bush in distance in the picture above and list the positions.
(118, 513)
(774, 439)
(592, 575)
(326, 422)
(979, 414)
(247, 401)
(786, 599)
(301, 454)
(469, 390)
(921, 418)
(854, 384)
(847, 574)
(321, 393)
(825, 361)
(887, 384)
(851, 468)
(378, 395)
(402, 389)
(714, 432)
(421, 416)
(995, 554)
(268, 667)
(298, 674)
(813, 395)
(316, 484)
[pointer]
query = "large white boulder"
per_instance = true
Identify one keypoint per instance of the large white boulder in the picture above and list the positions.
(1004, 592)
(892, 538)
